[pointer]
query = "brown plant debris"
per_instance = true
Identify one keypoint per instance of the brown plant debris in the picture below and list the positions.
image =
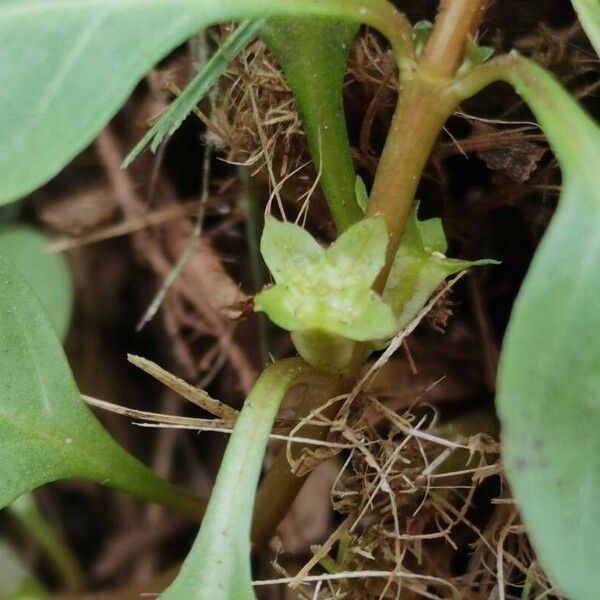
(410, 491)
(254, 100)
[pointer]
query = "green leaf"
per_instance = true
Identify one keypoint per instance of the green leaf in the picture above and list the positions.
(549, 376)
(48, 274)
(419, 268)
(327, 291)
(89, 55)
(218, 566)
(588, 12)
(46, 431)
(313, 54)
(180, 108)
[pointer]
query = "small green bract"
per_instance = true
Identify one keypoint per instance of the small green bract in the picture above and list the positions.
(420, 267)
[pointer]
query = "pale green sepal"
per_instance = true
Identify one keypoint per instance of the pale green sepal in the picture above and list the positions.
(357, 314)
(278, 303)
(285, 245)
(419, 268)
(431, 233)
(359, 254)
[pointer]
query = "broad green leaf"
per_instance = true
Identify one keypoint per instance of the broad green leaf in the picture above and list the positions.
(419, 268)
(218, 566)
(588, 12)
(48, 274)
(313, 54)
(89, 54)
(46, 431)
(180, 108)
(327, 291)
(549, 376)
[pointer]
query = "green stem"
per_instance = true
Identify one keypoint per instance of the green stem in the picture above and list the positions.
(25, 511)
(425, 103)
(224, 539)
(280, 487)
(254, 223)
(318, 94)
(445, 49)
(545, 96)
(422, 109)
(379, 14)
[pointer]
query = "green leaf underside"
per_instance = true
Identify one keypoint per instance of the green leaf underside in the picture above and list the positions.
(549, 376)
(46, 432)
(180, 108)
(419, 268)
(588, 12)
(88, 56)
(47, 273)
(218, 566)
(326, 290)
(313, 54)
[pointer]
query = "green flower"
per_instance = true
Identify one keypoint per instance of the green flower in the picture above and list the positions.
(326, 290)
(324, 296)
